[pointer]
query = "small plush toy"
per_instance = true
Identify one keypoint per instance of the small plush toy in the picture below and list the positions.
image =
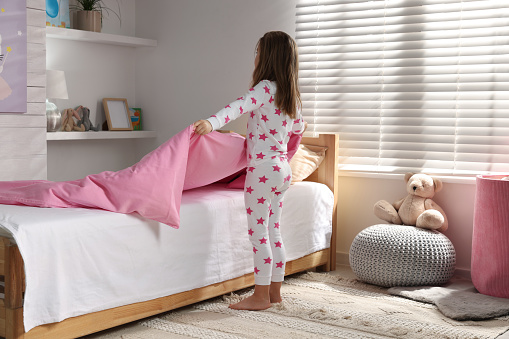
(68, 123)
(84, 122)
(417, 208)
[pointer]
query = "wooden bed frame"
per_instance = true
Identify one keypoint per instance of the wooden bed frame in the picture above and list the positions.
(12, 274)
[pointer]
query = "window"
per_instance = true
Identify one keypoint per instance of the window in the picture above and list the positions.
(409, 85)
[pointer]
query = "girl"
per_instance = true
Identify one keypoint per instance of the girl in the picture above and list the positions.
(273, 107)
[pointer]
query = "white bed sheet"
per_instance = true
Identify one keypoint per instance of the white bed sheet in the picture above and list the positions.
(79, 261)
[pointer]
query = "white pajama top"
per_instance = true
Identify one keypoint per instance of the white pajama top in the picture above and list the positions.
(268, 128)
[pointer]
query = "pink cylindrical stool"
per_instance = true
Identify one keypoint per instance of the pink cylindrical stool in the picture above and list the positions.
(490, 240)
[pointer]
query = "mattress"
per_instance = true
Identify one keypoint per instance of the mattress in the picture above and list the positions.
(79, 261)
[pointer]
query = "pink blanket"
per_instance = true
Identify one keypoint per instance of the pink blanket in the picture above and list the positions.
(152, 187)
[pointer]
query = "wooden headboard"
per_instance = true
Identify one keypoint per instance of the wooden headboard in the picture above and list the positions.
(327, 174)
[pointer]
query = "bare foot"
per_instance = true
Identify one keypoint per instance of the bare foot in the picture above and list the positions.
(275, 292)
(275, 299)
(251, 303)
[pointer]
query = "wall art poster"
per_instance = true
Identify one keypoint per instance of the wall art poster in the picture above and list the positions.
(13, 56)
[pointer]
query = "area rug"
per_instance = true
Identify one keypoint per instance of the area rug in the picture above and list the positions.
(319, 305)
(458, 300)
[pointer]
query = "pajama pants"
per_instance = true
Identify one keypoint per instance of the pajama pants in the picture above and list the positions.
(264, 189)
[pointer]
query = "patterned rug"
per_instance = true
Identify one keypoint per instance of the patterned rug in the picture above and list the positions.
(318, 305)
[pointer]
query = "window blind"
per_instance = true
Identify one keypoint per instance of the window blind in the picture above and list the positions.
(409, 85)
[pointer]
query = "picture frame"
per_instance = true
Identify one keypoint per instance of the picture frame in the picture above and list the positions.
(117, 114)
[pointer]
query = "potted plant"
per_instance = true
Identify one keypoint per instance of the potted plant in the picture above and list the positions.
(89, 14)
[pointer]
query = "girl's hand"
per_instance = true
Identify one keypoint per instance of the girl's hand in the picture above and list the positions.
(202, 127)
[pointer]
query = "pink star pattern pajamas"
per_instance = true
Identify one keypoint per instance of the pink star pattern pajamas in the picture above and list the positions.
(268, 174)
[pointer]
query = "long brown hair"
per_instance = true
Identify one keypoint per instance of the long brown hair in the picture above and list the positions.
(279, 61)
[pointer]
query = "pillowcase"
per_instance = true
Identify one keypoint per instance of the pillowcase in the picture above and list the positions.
(306, 161)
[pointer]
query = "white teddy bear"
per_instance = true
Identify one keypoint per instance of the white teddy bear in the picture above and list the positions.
(417, 208)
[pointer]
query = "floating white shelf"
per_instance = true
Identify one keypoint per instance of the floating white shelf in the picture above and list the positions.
(101, 38)
(90, 135)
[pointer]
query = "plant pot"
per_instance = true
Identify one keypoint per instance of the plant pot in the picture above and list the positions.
(89, 21)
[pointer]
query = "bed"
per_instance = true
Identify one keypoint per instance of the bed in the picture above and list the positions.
(135, 291)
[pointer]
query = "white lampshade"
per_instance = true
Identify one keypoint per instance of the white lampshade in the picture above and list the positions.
(56, 87)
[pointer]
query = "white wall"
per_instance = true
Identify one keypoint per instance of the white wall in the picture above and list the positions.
(204, 58)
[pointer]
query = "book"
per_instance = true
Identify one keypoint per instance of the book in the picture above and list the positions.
(57, 13)
(135, 114)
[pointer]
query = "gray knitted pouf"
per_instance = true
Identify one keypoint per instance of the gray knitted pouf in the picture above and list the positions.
(395, 255)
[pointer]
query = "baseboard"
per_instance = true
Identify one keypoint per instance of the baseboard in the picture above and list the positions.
(462, 272)
(344, 259)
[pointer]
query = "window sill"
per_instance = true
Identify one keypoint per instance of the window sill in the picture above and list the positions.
(398, 176)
